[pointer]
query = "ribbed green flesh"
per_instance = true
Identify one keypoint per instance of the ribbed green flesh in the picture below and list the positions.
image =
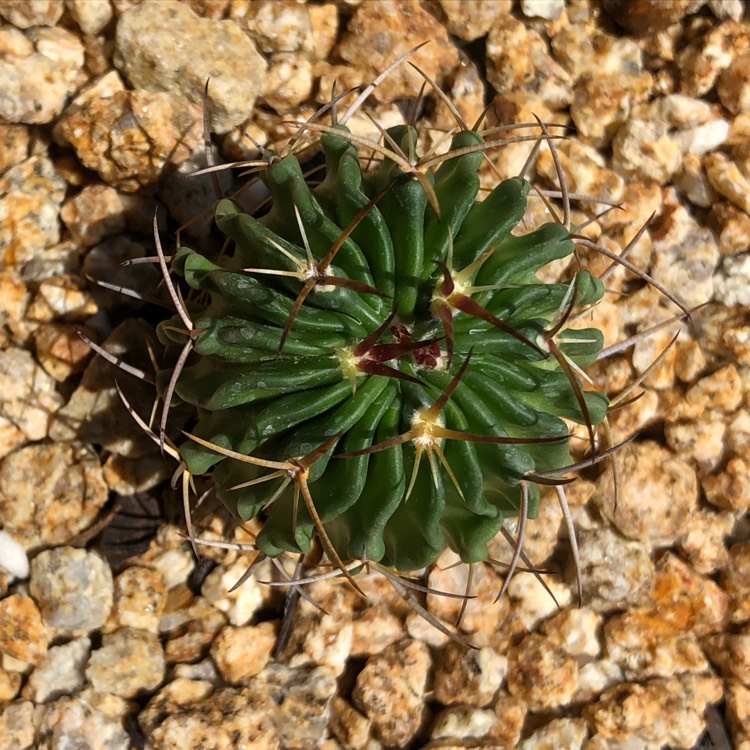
(251, 398)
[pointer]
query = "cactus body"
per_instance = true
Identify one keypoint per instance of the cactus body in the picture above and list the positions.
(424, 363)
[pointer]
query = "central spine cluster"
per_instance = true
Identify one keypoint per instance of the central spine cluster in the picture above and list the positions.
(379, 343)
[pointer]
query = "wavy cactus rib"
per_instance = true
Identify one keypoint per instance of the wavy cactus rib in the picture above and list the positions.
(384, 337)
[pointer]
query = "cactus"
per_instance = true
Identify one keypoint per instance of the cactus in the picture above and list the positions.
(375, 362)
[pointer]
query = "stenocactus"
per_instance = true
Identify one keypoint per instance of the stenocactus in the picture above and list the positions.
(374, 360)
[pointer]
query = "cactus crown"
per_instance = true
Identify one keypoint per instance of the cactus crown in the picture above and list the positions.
(375, 361)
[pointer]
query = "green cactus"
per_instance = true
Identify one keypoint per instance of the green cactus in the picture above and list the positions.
(375, 361)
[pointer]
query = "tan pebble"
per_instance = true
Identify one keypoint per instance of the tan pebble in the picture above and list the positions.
(226, 718)
(129, 663)
(289, 81)
(241, 603)
(69, 720)
(276, 26)
(728, 180)
(731, 654)
(60, 350)
(462, 723)
(646, 352)
(530, 601)
(98, 211)
(63, 297)
(33, 192)
(541, 673)
(595, 677)
(472, 25)
(165, 46)
(541, 538)
(581, 49)
(91, 15)
(105, 85)
(721, 390)
(681, 112)
(578, 631)
(643, 17)
(110, 705)
(512, 711)
(736, 582)
(681, 601)
(54, 55)
(601, 104)
(693, 183)
(733, 86)
(729, 328)
(297, 701)
(24, 15)
(190, 631)
(550, 10)
(10, 684)
(467, 92)
(420, 629)
(14, 298)
(22, 632)
(129, 476)
(648, 657)
(665, 711)
(702, 539)
(214, 9)
(731, 226)
(470, 677)
(656, 491)
(702, 441)
(701, 61)
(733, 282)
(738, 714)
(390, 691)
(379, 32)
(559, 733)
(702, 139)
(176, 694)
(203, 670)
(348, 725)
(17, 724)
(689, 361)
(140, 596)
(482, 614)
(645, 150)
(584, 171)
(645, 411)
(738, 438)
(243, 652)
(513, 107)
(687, 265)
(324, 26)
(639, 201)
(729, 489)
(132, 137)
(29, 400)
(374, 629)
(616, 572)
(50, 507)
(176, 565)
(319, 639)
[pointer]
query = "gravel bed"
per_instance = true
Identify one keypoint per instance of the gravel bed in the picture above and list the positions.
(113, 635)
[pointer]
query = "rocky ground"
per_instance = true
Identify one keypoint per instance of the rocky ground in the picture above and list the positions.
(113, 637)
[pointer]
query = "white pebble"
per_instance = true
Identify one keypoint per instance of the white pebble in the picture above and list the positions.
(13, 556)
